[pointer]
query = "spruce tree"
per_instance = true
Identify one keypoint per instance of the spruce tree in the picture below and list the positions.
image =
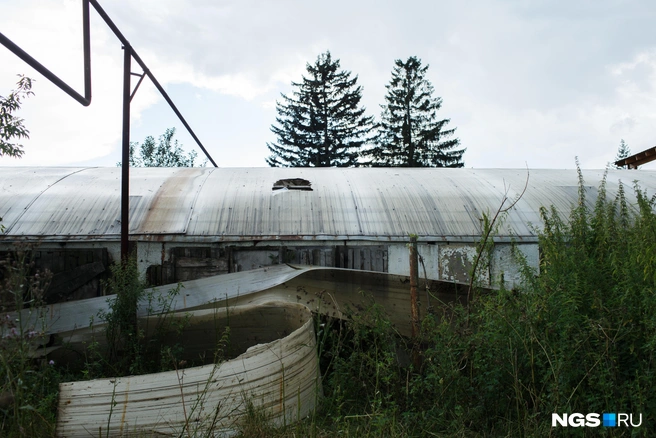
(623, 152)
(321, 124)
(411, 135)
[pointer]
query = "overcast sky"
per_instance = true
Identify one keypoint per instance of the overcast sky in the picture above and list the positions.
(523, 81)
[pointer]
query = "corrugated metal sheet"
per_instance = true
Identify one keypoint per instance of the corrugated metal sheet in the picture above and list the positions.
(21, 187)
(260, 305)
(281, 377)
(304, 285)
(207, 204)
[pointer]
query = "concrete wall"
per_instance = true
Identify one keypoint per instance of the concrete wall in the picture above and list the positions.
(170, 262)
(454, 262)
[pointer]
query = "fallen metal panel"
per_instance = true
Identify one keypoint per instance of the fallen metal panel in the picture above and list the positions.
(153, 403)
(326, 290)
(74, 315)
(281, 377)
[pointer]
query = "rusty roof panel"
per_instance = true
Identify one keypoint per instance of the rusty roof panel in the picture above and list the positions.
(168, 208)
(208, 204)
(87, 202)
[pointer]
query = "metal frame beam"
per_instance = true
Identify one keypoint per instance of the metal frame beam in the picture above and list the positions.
(129, 54)
(638, 159)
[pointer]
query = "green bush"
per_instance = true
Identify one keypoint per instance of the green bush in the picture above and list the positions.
(124, 338)
(126, 349)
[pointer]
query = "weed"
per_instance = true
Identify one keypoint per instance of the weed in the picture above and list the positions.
(28, 386)
(124, 339)
(579, 337)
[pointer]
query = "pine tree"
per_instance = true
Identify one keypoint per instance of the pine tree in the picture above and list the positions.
(321, 124)
(623, 152)
(410, 133)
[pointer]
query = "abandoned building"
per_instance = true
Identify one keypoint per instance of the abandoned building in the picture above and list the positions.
(188, 223)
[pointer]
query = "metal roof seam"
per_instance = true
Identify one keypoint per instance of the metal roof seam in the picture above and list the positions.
(366, 204)
(9, 228)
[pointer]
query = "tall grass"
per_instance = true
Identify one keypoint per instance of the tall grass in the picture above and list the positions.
(126, 348)
(28, 387)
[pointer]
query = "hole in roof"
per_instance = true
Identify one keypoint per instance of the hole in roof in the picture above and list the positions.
(293, 184)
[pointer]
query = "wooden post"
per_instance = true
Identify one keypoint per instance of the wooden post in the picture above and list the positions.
(414, 299)
(414, 282)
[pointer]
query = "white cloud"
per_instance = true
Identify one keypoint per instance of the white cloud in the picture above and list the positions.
(62, 131)
(521, 81)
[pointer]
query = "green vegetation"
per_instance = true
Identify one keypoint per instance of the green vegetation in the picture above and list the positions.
(411, 135)
(322, 124)
(623, 151)
(11, 126)
(28, 387)
(167, 152)
(578, 337)
(123, 346)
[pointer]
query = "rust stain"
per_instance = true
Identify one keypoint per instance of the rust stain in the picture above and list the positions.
(282, 392)
(293, 237)
(167, 212)
(125, 404)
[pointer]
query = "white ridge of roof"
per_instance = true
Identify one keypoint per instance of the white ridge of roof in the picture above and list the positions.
(239, 204)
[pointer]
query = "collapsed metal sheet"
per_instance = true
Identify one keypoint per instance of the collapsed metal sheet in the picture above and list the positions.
(324, 290)
(328, 291)
(278, 367)
(281, 377)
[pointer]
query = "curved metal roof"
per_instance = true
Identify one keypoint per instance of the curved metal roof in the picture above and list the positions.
(233, 204)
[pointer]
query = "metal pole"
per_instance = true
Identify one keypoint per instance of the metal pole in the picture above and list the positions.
(125, 162)
(173, 107)
(147, 72)
(86, 99)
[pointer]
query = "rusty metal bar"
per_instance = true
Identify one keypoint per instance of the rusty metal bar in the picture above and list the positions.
(86, 99)
(127, 97)
(147, 72)
(36, 65)
(141, 78)
(173, 107)
(125, 159)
